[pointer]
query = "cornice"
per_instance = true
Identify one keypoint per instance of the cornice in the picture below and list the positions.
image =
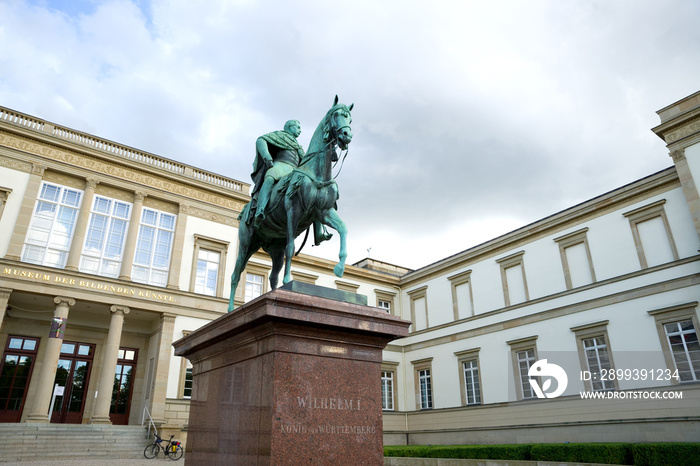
(50, 152)
(654, 184)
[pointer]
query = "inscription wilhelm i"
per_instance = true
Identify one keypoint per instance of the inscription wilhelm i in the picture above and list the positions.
(312, 402)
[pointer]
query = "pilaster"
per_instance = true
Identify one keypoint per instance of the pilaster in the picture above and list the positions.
(158, 398)
(4, 298)
(14, 249)
(178, 245)
(131, 237)
(81, 224)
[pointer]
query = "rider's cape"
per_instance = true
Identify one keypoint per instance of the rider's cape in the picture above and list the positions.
(281, 139)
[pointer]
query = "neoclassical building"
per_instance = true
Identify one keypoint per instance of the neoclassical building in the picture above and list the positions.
(109, 254)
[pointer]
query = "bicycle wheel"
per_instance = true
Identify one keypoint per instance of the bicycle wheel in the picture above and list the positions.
(151, 451)
(177, 454)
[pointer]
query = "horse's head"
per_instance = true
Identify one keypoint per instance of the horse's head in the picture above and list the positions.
(338, 124)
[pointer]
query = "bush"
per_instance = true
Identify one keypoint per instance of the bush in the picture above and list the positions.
(643, 454)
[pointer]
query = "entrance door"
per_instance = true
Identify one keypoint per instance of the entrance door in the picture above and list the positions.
(123, 386)
(73, 374)
(15, 372)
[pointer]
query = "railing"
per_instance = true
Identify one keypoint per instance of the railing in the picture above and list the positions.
(145, 413)
(21, 119)
(118, 150)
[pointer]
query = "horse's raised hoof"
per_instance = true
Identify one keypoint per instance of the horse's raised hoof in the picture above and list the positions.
(338, 270)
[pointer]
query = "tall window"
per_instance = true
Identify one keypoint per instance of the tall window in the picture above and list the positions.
(683, 340)
(187, 386)
(425, 389)
(51, 229)
(597, 359)
(388, 390)
(105, 237)
(525, 359)
(153, 247)
(471, 382)
(207, 272)
(253, 286)
(208, 265)
(595, 354)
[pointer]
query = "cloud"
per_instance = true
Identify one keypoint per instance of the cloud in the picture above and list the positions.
(469, 116)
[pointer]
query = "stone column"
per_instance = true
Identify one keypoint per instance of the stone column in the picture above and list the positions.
(47, 372)
(160, 374)
(178, 245)
(131, 237)
(4, 298)
(76, 247)
(14, 249)
(690, 189)
(105, 386)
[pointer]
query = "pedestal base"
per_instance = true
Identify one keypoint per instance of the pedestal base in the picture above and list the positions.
(289, 379)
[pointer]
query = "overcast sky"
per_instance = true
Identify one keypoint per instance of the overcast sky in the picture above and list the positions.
(471, 118)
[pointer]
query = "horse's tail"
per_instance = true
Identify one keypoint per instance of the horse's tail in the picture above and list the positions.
(306, 236)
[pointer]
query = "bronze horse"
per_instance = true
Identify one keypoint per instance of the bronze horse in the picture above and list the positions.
(306, 195)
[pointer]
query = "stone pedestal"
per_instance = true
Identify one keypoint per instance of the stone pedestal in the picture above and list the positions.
(289, 379)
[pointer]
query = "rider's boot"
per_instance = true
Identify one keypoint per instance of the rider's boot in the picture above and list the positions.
(263, 199)
(320, 233)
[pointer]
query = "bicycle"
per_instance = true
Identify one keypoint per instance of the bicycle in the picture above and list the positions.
(172, 450)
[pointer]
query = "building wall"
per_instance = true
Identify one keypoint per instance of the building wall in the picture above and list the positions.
(485, 303)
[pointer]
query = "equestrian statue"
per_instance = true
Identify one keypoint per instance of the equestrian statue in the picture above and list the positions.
(293, 193)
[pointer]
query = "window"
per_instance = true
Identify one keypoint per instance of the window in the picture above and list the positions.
(187, 386)
(597, 358)
(595, 354)
(153, 247)
(207, 274)
(576, 259)
(207, 269)
(652, 235)
(524, 355)
(677, 328)
(683, 340)
(424, 386)
(419, 308)
(387, 390)
(462, 301)
(51, 228)
(470, 382)
(513, 279)
(385, 300)
(253, 286)
(426, 391)
(105, 237)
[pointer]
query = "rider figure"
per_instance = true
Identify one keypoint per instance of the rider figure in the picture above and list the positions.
(277, 154)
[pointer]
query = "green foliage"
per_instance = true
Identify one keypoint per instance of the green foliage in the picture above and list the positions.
(646, 454)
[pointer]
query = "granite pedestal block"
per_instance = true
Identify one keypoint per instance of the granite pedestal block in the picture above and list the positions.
(288, 379)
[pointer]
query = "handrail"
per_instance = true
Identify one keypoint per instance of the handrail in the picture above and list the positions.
(150, 422)
(118, 150)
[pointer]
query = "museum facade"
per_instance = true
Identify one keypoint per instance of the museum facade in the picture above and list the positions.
(108, 254)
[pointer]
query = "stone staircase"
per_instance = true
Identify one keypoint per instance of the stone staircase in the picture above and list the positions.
(36, 442)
